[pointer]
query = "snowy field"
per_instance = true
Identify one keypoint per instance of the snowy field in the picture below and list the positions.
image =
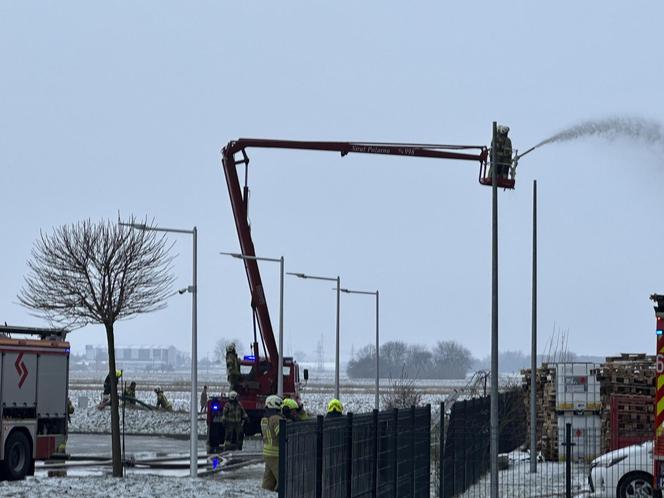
(357, 396)
(91, 420)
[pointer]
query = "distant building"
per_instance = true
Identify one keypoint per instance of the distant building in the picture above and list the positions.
(140, 357)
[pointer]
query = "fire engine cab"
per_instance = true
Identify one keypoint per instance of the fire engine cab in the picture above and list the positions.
(34, 379)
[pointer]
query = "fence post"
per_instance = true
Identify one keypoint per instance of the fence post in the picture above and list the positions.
(283, 458)
(424, 433)
(428, 445)
(456, 435)
(319, 456)
(374, 463)
(441, 451)
(568, 460)
(412, 450)
(349, 456)
(466, 441)
(395, 451)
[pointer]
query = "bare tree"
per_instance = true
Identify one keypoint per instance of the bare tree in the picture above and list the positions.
(403, 392)
(100, 273)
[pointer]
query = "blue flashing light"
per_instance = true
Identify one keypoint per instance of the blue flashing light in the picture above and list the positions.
(215, 463)
(249, 357)
(215, 407)
(660, 332)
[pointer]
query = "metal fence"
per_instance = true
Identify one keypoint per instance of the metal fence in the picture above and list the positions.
(378, 454)
(580, 469)
(398, 453)
(465, 455)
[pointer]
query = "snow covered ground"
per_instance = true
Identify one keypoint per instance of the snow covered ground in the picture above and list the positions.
(241, 483)
(517, 482)
(136, 421)
(177, 423)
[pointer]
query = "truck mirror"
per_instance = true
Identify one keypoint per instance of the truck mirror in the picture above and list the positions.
(306, 374)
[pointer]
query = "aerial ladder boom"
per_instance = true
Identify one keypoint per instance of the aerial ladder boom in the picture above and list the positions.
(240, 198)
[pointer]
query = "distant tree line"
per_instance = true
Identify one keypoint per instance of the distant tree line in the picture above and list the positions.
(447, 360)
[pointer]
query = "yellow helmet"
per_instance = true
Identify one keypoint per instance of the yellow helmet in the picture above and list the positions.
(335, 406)
(290, 403)
(118, 373)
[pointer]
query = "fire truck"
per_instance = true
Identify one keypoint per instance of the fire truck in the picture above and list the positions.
(34, 380)
(260, 371)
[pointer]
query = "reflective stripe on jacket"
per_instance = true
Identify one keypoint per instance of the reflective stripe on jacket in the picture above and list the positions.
(270, 430)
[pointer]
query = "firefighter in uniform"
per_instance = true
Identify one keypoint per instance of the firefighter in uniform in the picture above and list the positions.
(62, 447)
(130, 393)
(204, 400)
(270, 431)
(106, 398)
(162, 401)
(502, 152)
(232, 366)
(233, 417)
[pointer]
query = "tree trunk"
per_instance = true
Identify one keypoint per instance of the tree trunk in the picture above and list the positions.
(115, 415)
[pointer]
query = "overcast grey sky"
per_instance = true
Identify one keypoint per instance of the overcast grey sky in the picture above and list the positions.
(123, 106)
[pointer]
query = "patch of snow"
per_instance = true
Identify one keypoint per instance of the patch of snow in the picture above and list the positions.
(244, 483)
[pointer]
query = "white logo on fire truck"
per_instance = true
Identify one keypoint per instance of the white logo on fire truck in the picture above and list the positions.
(21, 369)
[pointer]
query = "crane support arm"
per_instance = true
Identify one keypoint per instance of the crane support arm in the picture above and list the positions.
(239, 203)
(435, 151)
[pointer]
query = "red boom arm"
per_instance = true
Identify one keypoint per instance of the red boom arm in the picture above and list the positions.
(239, 203)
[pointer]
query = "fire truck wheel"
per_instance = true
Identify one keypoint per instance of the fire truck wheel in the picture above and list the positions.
(18, 456)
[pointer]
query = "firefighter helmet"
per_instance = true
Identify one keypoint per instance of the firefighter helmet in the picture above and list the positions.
(232, 395)
(230, 347)
(335, 406)
(288, 408)
(290, 403)
(118, 373)
(273, 401)
(503, 130)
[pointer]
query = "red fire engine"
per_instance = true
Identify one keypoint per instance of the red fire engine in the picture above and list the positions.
(34, 379)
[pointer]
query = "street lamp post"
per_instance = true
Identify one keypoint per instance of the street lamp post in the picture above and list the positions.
(533, 344)
(280, 360)
(494, 427)
(193, 289)
(338, 288)
(348, 291)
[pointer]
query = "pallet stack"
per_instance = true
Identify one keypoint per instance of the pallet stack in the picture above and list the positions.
(547, 423)
(630, 380)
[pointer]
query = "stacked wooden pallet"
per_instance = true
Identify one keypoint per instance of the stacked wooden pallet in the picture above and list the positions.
(630, 380)
(547, 424)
